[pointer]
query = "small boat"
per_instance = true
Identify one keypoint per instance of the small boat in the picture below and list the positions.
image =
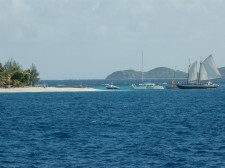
(146, 86)
(173, 85)
(207, 71)
(111, 86)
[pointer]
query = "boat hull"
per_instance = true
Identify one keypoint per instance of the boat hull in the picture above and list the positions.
(110, 86)
(180, 86)
(146, 87)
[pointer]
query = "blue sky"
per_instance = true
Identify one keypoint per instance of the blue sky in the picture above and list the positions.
(89, 39)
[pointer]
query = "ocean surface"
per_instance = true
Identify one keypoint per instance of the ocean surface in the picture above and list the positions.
(124, 128)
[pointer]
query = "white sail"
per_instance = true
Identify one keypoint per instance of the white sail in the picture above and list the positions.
(208, 69)
(192, 72)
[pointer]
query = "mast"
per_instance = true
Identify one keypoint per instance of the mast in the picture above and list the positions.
(142, 73)
(174, 73)
(188, 71)
(199, 75)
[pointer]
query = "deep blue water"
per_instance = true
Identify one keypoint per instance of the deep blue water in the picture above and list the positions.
(155, 128)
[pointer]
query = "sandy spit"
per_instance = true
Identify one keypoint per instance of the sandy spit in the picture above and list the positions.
(47, 89)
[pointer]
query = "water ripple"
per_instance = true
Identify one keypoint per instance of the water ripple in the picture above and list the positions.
(113, 129)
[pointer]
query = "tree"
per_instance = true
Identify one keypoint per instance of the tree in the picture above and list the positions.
(26, 78)
(20, 78)
(1, 67)
(33, 75)
(12, 65)
(8, 70)
(13, 74)
(2, 77)
(18, 75)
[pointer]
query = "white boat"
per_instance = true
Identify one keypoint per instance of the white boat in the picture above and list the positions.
(111, 86)
(144, 85)
(207, 71)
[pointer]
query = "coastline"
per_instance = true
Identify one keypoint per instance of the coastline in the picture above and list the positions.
(46, 89)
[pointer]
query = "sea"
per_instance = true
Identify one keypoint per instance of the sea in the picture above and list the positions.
(118, 128)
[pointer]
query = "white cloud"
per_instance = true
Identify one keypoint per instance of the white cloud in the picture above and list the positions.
(17, 20)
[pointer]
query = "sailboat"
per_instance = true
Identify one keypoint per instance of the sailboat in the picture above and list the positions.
(145, 85)
(207, 71)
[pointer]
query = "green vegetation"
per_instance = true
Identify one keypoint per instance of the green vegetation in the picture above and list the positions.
(12, 75)
(164, 72)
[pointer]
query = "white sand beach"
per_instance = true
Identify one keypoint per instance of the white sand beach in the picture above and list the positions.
(47, 89)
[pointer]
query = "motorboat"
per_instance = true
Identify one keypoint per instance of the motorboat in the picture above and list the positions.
(111, 86)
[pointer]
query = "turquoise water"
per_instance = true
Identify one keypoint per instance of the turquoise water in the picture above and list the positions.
(157, 128)
(100, 84)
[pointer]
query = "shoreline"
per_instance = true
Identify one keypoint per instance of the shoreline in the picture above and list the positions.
(46, 89)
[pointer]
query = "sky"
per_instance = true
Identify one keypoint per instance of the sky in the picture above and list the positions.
(90, 39)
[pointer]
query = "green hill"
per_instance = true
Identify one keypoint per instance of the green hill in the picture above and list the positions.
(161, 72)
(123, 75)
(164, 72)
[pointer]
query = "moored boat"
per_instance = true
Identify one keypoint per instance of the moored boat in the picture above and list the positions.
(207, 71)
(111, 86)
(145, 85)
(173, 85)
(201, 86)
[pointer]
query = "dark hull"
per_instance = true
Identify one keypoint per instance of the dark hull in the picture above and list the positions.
(112, 88)
(197, 86)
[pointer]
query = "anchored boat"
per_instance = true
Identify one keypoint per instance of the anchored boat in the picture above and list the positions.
(207, 71)
(145, 85)
(173, 84)
(111, 86)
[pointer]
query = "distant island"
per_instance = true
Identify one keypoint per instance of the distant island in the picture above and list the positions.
(160, 72)
(222, 71)
(13, 75)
